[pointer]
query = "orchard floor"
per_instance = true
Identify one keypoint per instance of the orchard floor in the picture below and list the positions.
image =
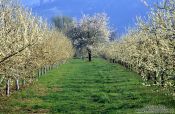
(80, 87)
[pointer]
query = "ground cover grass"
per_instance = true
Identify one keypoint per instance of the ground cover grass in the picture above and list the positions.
(81, 87)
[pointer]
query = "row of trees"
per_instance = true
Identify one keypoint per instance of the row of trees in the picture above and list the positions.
(85, 33)
(148, 49)
(27, 44)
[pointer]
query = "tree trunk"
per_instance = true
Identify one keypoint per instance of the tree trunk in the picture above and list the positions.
(17, 84)
(41, 71)
(113, 60)
(45, 69)
(154, 77)
(49, 67)
(162, 79)
(23, 82)
(90, 56)
(8, 87)
(38, 72)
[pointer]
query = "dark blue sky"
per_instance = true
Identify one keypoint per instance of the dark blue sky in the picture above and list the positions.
(122, 13)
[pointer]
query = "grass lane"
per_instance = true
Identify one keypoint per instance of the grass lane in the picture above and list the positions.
(80, 87)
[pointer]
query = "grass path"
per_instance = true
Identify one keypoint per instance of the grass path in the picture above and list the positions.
(86, 88)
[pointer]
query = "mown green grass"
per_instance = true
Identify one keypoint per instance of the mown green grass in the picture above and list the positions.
(80, 87)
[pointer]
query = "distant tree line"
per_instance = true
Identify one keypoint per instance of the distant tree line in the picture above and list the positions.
(85, 33)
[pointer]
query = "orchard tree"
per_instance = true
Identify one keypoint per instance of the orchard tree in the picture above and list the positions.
(27, 44)
(149, 49)
(90, 31)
